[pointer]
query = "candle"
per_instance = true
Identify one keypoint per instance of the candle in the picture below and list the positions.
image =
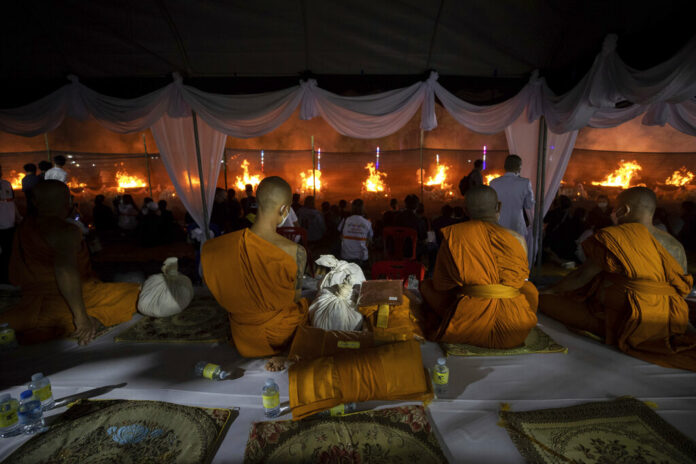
(377, 162)
(261, 160)
(484, 157)
(437, 159)
(318, 159)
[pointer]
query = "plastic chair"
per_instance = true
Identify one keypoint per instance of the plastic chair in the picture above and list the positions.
(291, 233)
(398, 270)
(396, 237)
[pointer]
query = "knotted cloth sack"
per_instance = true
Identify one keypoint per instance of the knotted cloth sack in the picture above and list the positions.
(339, 272)
(165, 294)
(335, 308)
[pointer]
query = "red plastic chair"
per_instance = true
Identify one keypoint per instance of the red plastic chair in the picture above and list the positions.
(398, 236)
(291, 233)
(398, 270)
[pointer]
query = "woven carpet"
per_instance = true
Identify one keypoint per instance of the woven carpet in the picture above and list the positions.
(537, 341)
(621, 431)
(204, 321)
(395, 435)
(126, 431)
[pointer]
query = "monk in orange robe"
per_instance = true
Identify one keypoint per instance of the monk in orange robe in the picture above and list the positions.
(256, 275)
(479, 293)
(60, 294)
(631, 289)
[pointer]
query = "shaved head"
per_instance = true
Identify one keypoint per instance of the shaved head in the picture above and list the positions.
(482, 202)
(273, 192)
(639, 200)
(52, 198)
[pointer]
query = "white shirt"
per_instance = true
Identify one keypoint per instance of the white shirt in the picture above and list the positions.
(7, 205)
(355, 232)
(57, 173)
(515, 194)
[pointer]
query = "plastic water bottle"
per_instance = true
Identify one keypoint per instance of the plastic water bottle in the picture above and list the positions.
(340, 410)
(8, 340)
(9, 421)
(271, 399)
(30, 413)
(210, 371)
(41, 387)
(412, 282)
(440, 376)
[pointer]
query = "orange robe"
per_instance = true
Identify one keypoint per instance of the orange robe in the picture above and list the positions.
(636, 302)
(43, 313)
(402, 323)
(254, 281)
(478, 294)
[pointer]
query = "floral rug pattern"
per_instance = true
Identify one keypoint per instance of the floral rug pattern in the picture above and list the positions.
(395, 435)
(204, 321)
(622, 431)
(537, 341)
(123, 431)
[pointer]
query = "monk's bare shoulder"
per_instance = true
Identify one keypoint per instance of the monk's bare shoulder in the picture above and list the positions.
(672, 245)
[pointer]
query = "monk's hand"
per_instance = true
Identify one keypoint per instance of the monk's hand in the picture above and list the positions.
(85, 329)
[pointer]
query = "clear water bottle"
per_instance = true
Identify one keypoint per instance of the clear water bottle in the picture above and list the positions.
(440, 376)
(30, 413)
(340, 410)
(210, 371)
(8, 340)
(271, 399)
(412, 282)
(9, 421)
(41, 387)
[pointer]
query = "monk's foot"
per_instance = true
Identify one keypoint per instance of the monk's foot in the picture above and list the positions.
(276, 363)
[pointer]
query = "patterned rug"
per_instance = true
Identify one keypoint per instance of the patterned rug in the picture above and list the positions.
(204, 321)
(395, 435)
(537, 341)
(123, 431)
(622, 431)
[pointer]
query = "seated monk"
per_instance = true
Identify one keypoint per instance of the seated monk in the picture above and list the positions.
(631, 289)
(60, 294)
(479, 293)
(256, 275)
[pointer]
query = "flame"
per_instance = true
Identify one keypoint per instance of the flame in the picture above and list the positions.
(680, 177)
(247, 179)
(74, 184)
(15, 179)
(308, 181)
(439, 179)
(622, 176)
(126, 181)
(375, 181)
(489, 177)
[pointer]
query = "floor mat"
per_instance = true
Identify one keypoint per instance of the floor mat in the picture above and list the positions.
(395, 435)
(537, 341)
(128, 432)
(619, 431)
(204, 321)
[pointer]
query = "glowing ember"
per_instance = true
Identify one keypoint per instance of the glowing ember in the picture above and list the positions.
(680, 177)
(254, 180)
(16, 179)
(489, 177)
(307, 181)
(622, 176)
(74, 184)
(126, 181)
(375, 181)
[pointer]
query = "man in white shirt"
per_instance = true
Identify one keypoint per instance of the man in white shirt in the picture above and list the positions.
(356, 232)
(515, 194)
(57, 172)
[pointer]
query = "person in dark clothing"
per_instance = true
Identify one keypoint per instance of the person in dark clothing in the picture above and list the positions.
(343, 208)
(443, 221)
(168, 226)
(220, 215)
(601, 214)
(249, 202)
(563, 230)
(473, 179)
(43, 167)
(235, 209)
(687, 235)
(409, 218)
(296, 205)
(30, 180)
(389, 215)
(102, 215)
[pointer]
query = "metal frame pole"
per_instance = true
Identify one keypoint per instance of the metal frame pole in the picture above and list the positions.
(206, 218)
(48, 148)
(314, 167)
(147, 164)
(540, 187)
(421, 164)
(224, 163)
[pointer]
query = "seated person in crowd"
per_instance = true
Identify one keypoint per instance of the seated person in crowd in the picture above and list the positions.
(60, 294)
(631, 289)
(168, 227)
(443, 221)
(235, 209)
(356, 232)
(408, 218)
(601, 213)
(220, 215)
(311, 220)
(249, 202)
(479, 294)
(256, 275)
(103, 215)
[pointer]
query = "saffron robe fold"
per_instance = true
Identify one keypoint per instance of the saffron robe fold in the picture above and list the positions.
(636, 302)
(403, 321)
(43, 314)
(254, 281)
(479, 294)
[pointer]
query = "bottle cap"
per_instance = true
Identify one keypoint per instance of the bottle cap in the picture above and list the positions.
(37, 376)
(270, 382)
(25, 394)
(224, 375)
(441, 361)
(4, 397)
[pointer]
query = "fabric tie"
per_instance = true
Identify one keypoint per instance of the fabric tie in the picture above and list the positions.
(642, 286)
(489, 291)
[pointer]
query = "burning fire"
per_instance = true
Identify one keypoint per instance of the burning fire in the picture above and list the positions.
(439, 179)
(375, 181)
(74, 184)
(253, 180)
(308, 181)
(622, 176)
(489, 177)
(15, 179)
(680, 177)
(126, 181)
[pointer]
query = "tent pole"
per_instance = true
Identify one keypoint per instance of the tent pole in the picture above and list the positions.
(314, 167)
(541, 182)
(224, 163)
(421, 164)
(147, 163)
(48, 149)
(206, 218)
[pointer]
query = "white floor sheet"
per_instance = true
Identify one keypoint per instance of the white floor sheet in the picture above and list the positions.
(465, 421)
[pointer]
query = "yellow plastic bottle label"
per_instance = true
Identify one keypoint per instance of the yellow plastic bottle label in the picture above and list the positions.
(440, 378)
(209, 370)
(383, 316)
(43, 393)
(8, 418)
(348, 344)
(339, 410)
(271, 401)
(7, 337)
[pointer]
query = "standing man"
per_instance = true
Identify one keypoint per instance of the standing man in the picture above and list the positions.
(249, 202)
(515, 194)
(473, 179)
(44, 166)
(57, 172)
(8, 217)
(30, 180)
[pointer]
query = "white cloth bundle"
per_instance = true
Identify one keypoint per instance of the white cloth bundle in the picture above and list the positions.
(335, 309)
(165, 294)
(340, 272)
